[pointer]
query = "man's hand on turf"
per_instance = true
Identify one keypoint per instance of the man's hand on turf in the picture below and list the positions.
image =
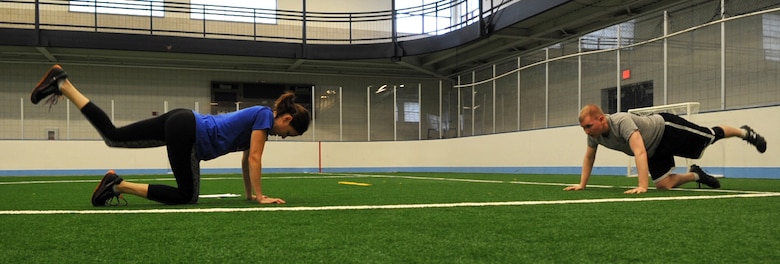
(574, 188)
(636, 190)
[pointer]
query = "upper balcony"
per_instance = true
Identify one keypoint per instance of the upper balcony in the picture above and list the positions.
(444, 37)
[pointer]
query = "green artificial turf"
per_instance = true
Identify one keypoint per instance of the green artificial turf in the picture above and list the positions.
(726, 230)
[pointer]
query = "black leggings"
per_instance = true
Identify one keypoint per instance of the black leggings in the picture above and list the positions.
(175, 130)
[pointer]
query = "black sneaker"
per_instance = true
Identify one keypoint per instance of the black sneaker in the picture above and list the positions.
(705, 178)
(104, 192)
(48, 86)
(755, 139)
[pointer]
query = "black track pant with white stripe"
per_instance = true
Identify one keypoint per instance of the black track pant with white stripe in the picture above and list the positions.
(175, 130)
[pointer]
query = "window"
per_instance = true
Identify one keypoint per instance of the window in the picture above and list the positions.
(608, 38)
(469, 13)
(633, 95)
(423, 16)
(411, 112)
(251, 11)
(120, 7)
(771, 26)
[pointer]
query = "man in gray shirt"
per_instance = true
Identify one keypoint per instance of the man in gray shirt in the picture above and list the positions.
(654, 140)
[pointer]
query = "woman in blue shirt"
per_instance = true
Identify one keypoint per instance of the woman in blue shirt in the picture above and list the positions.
(189, 138)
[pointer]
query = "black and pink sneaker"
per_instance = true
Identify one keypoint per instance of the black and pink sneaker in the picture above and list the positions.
(48, 86)
(104, 192)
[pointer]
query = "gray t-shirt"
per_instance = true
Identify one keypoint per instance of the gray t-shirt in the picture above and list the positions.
(622, 125)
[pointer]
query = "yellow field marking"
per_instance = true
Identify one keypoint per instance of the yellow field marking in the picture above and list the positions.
(354, 183)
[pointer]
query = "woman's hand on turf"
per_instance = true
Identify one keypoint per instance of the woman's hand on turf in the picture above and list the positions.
(263, 199)
(574, 188)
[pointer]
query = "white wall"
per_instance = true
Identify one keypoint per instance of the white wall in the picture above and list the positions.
(338, 6)
(555, 150)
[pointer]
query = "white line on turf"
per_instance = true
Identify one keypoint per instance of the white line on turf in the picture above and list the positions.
(351, 175)
(219, 195)
(389, 206)
(536, 183)
(98, 180)
(173, 179)
(737, 194)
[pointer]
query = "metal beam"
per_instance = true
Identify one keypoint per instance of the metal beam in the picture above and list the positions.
(421, 69)
(295, 64)
(46, 54)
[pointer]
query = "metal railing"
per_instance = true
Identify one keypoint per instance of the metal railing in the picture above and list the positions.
(172, 18)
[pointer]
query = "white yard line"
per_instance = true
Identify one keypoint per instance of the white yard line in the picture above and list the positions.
(734, 194)
(173, 179)
(389, 206)
(352, 175)
(536, 183)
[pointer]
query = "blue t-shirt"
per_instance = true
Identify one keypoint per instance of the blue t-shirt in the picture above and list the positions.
(217, 135)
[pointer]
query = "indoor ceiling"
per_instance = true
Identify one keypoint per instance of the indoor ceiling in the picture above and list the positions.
(565, 21)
